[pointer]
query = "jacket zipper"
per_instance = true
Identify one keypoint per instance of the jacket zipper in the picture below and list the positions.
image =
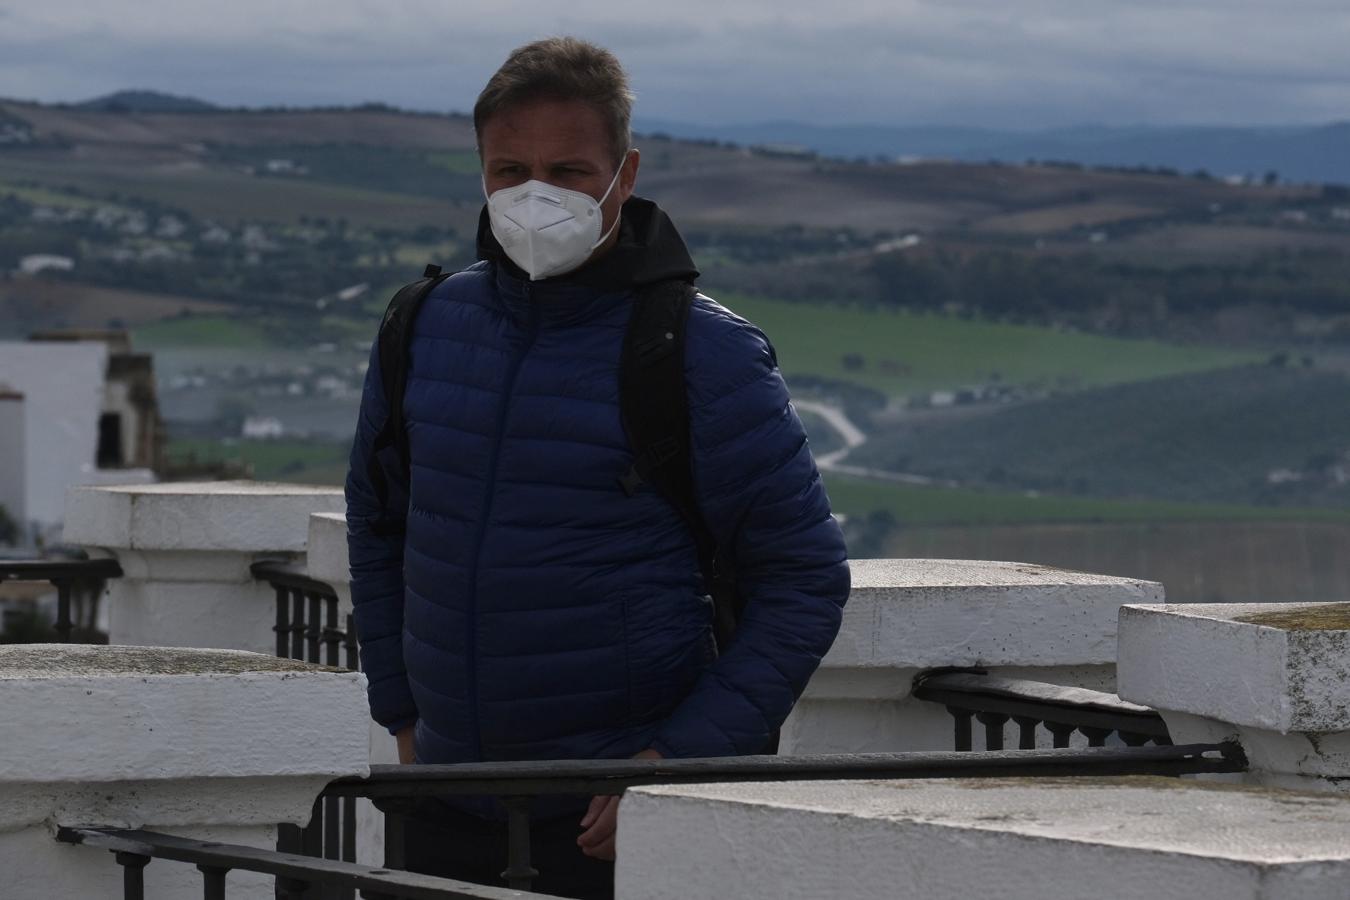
(489, 491)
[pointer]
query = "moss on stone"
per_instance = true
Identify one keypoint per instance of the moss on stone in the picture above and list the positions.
(1322, 617)
(66, 660)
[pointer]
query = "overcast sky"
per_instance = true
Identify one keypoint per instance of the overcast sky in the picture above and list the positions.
(1024, 63)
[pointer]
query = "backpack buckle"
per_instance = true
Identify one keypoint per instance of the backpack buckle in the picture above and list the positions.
(630, 481)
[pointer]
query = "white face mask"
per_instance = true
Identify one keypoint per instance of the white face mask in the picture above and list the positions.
(545, 229)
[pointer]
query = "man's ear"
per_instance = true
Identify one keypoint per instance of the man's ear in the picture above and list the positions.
(628, 174)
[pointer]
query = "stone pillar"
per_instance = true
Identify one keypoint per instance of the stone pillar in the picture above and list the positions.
(185, 551)
(1015, 839)
(1275, 677)
(208, 744)
(327, 562)
(906, 616)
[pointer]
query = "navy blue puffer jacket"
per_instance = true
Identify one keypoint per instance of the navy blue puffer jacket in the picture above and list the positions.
(533, 610)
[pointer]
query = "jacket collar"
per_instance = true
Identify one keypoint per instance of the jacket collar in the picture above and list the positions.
(649, 249)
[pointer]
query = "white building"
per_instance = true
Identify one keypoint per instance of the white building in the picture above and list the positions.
(41, 262)
(89, 416)
(262, 428)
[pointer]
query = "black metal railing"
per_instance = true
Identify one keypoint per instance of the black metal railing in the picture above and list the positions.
(307, 616)
(305, 876)
(82, 579)
(516, 783)
(994, 701)
(297, 876)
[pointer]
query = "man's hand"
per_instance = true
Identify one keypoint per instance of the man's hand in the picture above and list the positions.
(601, 822)
(405, 745)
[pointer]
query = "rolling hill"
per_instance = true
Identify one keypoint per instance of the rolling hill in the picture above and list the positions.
(1275, 435)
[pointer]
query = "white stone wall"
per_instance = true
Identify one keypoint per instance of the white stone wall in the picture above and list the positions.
(63, 388)
(218, 745)
(185, 551)
(1015, 839)
(906, 616)
(1274, 677)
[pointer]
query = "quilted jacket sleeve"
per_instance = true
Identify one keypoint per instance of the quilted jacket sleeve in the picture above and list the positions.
(764, 500)
(377, 567)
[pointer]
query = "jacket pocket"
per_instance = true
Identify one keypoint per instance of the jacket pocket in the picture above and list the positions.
(668, 644)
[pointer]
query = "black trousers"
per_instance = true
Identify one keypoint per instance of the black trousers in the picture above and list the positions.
(461, 846)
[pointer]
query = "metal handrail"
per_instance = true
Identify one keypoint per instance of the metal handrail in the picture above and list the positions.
(994, 700)
(399, 788)
(62, 574)
(295, 874)
(285, 574)
(533, 778)
(51, 570)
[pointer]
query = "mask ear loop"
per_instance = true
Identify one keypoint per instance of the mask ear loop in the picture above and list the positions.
(609, 190)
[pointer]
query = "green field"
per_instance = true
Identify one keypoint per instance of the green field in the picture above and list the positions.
(307, 462)
(905, 353)
(919, 505)
(45, 196)
(203, 331)
(325, 462)
(1286, 561)
(231, 196)
(1201, 438)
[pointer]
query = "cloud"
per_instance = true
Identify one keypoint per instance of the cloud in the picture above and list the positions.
(1035, 62)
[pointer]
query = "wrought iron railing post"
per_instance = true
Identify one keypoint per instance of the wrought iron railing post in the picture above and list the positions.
(64, 626)
(1096, 736)
(332, 637)
(133, 874)
(962, 719)
(993, 700)
(313, 627)
(1060, 733)
(297, 624)
(213, 881)
(283, 626)
(1026, 732)
(519, 874)
(292, 888)
(993, 729)
(393, 840)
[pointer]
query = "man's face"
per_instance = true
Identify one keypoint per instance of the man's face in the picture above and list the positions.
(560, 142)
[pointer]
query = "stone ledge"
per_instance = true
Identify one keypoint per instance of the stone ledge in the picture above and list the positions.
(237, 516)
(79, 714)
(1280, 667)
(921, 613)
(1020, 839)
(45, 661)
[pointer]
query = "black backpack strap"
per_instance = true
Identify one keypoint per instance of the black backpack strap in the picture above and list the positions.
(391, 441)
(655, 408)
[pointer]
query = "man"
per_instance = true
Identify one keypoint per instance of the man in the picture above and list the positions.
(532, 609)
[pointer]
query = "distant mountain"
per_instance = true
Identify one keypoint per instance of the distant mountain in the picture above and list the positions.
(146, 102)
(1318, 154)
